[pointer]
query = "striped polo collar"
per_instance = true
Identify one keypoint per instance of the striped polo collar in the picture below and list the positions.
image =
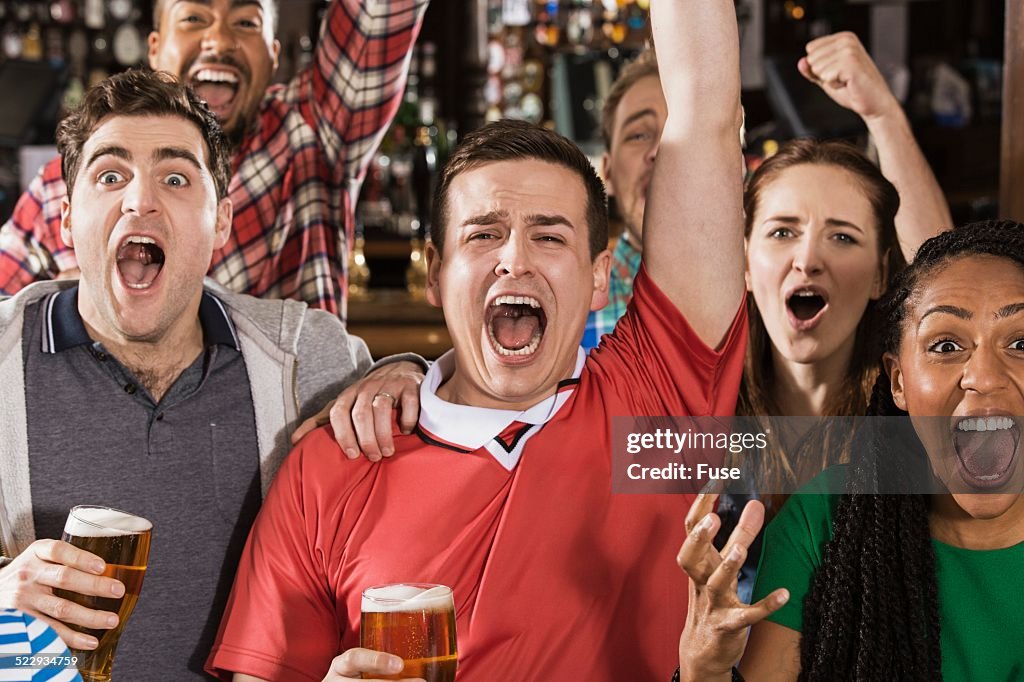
(464, 428)
(63, 327)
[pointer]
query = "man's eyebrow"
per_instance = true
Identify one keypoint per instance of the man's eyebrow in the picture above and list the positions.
(109, 150)
(953, 310)
(245, 3)
(636, 115)
(234, 3)
(549, 219)
(168, 153)
(489, 218)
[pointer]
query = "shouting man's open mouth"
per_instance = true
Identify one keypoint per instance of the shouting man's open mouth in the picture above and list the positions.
(139, 261)
(515, 325)
(218, 85)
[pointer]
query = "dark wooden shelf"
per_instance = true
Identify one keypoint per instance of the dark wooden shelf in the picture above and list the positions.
(391, 321)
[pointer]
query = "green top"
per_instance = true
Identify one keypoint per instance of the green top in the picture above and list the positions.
(981, 592)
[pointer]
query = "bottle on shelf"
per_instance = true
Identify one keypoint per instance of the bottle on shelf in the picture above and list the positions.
(358, 270)
(425, 161)
(416, 273)
(397, 194)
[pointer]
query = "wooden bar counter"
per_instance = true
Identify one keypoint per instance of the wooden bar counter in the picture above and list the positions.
(391, 321)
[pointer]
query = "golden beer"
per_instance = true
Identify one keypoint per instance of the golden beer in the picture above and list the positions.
(415, 621)
(122, 540)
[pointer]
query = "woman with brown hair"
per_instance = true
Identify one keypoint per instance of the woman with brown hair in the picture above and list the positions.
(821, 249)
(826, 233)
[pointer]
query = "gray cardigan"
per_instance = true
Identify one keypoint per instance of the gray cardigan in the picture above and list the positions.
(297, 359)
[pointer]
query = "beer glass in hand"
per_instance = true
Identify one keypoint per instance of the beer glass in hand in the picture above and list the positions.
(122, 540)
(415, 621)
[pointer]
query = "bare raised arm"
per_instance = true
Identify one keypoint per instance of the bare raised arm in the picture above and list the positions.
(693, 222)
(841, 67)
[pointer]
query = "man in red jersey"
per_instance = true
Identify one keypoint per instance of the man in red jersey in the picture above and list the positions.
(504, 490)
(301, 150)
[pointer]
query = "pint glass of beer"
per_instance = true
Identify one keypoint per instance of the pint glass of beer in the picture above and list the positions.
(415, 621)
(122, 540)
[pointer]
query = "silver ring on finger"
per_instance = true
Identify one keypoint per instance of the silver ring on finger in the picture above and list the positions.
(394, 401)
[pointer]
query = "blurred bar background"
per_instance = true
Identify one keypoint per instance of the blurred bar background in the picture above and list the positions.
(552, 62)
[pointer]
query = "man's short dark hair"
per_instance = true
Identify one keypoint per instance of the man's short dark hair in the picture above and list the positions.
(273, 12)
(141, 92)
(509, 140)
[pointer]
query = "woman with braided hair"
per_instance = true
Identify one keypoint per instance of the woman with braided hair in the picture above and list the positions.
(914, 586)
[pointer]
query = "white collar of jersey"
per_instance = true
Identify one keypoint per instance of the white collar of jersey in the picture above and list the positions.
(471, 428)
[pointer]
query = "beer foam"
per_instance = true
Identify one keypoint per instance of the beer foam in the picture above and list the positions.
(402, 597)
(100, 522)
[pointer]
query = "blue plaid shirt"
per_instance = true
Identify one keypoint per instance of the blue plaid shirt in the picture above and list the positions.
(625, 265)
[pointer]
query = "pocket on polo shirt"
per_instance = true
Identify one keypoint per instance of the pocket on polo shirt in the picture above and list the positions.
(234, 460)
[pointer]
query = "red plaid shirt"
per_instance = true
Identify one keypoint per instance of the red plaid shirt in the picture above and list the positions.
(294, 178)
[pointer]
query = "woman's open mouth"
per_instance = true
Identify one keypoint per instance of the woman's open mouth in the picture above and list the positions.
(806, 306)
(139, 261)
(986, 448)
(515, 325)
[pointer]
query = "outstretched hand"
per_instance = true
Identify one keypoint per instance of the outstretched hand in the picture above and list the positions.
(840, 66)
(715, 634)
(361, 415)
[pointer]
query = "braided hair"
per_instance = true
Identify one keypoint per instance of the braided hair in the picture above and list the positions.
(872, 612)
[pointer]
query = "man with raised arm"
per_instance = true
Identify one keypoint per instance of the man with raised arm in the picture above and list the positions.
(300, 150)
(504, 490)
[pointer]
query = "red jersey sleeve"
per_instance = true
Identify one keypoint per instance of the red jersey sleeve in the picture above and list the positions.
(655, 364)
(31, 248)
(280, 622)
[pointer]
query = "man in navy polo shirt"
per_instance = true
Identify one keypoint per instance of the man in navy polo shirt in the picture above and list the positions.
(142, 387)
